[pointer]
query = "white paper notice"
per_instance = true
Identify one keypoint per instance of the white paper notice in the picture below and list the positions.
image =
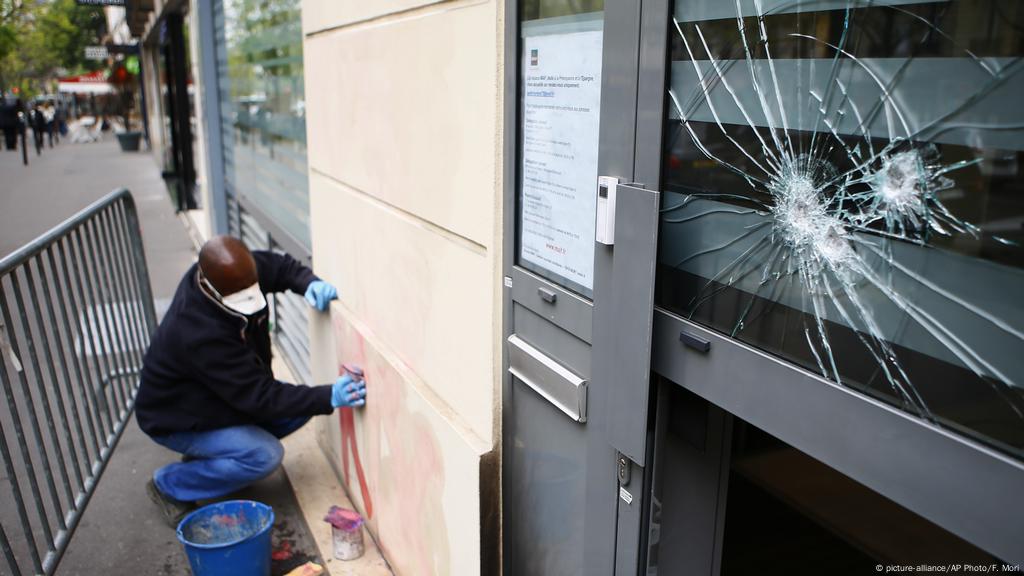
(561, 118)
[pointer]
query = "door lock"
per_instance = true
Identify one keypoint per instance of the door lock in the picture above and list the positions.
(624, 467)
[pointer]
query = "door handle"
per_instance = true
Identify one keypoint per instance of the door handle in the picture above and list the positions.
(547, 295)
(623, 310)
(696, 342)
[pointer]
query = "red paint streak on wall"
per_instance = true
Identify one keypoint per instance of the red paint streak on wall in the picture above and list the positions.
(408, 479)
(348, 439)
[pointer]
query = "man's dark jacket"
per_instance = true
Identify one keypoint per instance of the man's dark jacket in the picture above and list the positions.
(209, 367)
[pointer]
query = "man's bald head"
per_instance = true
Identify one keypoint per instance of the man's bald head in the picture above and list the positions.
(227, 264)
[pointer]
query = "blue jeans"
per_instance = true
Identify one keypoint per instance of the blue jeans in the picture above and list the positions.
(223, 460)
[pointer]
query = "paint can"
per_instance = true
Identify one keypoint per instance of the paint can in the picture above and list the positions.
(347, 532)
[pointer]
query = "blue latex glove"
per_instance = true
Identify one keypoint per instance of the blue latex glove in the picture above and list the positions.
(348, 392)
(319, 294)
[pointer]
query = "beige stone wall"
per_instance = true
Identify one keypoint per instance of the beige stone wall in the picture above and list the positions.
(404, 137)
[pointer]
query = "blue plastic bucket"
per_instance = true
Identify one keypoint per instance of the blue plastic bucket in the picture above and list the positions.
(228, 539)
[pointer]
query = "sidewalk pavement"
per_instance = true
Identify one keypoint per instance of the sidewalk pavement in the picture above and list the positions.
(121, 531)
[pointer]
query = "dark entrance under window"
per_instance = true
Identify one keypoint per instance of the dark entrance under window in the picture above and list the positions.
(786, 512)
(179, 164)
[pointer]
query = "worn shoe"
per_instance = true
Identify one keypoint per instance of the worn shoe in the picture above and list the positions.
(173, 510)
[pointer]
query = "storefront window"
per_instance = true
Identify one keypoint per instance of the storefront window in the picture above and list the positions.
(843, 188)
(263, 110)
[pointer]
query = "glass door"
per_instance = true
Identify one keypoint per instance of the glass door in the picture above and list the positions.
(558, 480)
(839, 277)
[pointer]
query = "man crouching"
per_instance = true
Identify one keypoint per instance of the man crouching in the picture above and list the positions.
(207, 390)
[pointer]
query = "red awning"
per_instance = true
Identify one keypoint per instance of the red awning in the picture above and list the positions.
(91, 83)
(99, 76)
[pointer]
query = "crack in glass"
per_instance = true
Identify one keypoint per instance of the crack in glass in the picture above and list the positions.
(837, 153)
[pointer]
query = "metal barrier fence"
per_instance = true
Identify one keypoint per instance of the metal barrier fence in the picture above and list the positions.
(76, 316)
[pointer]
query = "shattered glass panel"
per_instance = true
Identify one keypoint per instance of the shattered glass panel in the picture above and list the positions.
(843, 188)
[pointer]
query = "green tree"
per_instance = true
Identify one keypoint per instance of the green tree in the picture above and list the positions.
(65, 29)
(40, 40)
(10, 18)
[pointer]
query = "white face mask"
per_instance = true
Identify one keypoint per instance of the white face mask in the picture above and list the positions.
(247, 301)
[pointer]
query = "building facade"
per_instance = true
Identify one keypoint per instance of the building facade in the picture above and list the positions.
(405, 198)
(282, 169)
(662, 287)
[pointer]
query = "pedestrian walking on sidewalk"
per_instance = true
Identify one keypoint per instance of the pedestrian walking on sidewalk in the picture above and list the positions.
(9, 122)
(61, 117)
(50, 114)
(207, 389)
(38, 122)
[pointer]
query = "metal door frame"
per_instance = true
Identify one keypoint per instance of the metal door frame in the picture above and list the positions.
(612, 542)
(957, 483)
